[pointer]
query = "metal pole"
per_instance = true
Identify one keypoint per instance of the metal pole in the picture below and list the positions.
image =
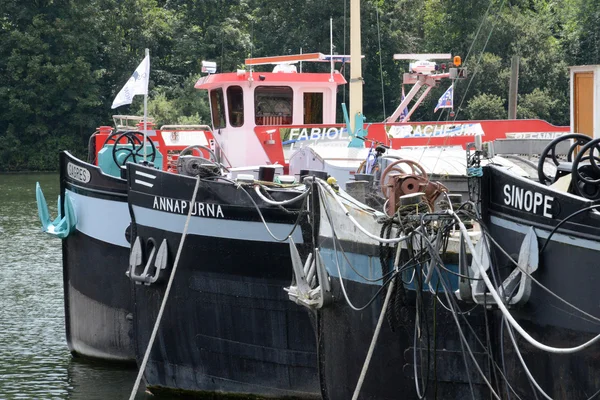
(146, 111)
(356, 80)
(513, 88)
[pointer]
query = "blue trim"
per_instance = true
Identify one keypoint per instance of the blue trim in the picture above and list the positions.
(370, 267)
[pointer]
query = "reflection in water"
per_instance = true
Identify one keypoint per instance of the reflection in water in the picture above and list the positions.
(34, 359)
(100, 381)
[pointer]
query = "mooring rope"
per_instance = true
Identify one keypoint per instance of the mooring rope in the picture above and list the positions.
(166, 296)
(365, 367)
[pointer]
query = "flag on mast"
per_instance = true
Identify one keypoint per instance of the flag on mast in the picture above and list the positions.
(447, 99)
(404, 113)
(137, 84)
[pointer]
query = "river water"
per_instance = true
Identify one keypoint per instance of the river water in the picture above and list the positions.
(35, 362)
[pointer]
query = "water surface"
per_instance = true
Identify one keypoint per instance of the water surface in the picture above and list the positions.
(35, 362)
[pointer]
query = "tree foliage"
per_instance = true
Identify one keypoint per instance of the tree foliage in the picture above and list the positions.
(62, 62)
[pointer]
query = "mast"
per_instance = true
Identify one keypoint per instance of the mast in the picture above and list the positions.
(145, 111)
(356, 80)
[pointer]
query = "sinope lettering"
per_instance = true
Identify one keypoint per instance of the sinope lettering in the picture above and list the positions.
(528, 200)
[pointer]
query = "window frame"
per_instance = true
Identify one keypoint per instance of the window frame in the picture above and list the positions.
(220, 109)
(231, 103)
(273, 119)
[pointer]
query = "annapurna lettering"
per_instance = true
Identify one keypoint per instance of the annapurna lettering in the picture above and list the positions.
(199, 209)
(528, 200)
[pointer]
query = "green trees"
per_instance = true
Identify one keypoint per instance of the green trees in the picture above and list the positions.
(62, 62)
(49, 84)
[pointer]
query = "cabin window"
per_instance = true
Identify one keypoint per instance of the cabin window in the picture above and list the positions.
(273, 105)
(235, 104)
(217, 108)
(313, 108)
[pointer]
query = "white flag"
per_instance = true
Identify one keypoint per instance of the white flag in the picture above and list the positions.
(137, 84)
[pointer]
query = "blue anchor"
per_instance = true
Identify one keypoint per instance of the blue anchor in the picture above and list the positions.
(65, 222)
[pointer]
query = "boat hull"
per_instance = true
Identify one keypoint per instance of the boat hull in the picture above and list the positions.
(345, 334)
(97, 293)
(228, 326)
(567, 267)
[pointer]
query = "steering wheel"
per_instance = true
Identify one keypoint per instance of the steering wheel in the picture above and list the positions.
(586, 178)
(550, 152)
(133, 153)
(189, 151)
(415, 169)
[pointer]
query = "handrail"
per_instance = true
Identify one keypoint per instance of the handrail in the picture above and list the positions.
(184, 127)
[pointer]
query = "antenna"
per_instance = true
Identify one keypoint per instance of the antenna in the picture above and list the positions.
(332, 65)
(252, 39)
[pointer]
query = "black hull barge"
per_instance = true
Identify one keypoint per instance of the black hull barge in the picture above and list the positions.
(345, 334)
(227, 327)
(94, 224)
(98, 318)
(568, 231)
(418, 351)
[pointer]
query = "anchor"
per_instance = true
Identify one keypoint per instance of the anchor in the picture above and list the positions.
(65, 222)
(159, 259)
(516, 288)
(312, 288)
(528, 262)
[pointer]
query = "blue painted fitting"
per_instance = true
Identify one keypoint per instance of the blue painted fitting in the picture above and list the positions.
(65, 222)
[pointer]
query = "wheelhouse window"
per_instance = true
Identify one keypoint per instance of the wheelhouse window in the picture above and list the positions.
(313, 108)
(273, 105)
(235, 104)
(217, 108)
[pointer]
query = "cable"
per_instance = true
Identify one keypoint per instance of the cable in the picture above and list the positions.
(489, 237)
(300, 213)
(452, 302)
(383, 276)
(342, 286)
(279, 203)
(328, 189)
(454, 313)
(478, 30)
(464, 343)
(478, 61)
(464, 340)
(527, 372)
(563, 221)
(500, 304)
(594, 318)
